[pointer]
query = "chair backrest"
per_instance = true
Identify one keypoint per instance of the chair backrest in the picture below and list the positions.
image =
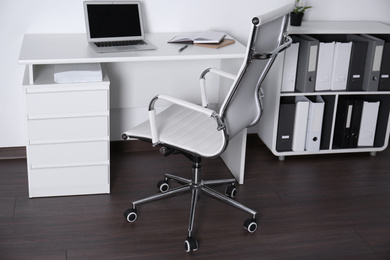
(243, 106)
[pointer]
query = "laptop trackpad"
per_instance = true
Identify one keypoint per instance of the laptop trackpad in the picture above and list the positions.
(125, 48)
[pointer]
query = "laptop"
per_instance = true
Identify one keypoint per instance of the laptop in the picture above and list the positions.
(115, 26)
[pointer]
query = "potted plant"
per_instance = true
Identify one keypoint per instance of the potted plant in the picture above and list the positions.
(298, 12)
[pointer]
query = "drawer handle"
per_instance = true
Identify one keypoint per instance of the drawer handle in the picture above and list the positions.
(65, 141)
(67, 165)
(57, 116)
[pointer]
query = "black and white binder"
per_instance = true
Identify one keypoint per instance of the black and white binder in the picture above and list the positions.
(376, 54)
(341, 61)
(285, 127)
(342, 128)
(314, 124)
(373, 60)
(324, 66)
(300, 123)
(384, 81)
(355, 123)
(356, 66)
(327, 122)
(307, 63)
(290, 68)
(368, 123)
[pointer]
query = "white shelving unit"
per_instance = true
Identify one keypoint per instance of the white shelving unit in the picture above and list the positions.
(268, 125)
(67, 134)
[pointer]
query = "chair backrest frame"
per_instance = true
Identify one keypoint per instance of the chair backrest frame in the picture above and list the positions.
(242, 106)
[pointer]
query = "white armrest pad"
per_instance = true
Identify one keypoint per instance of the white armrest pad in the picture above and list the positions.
(153, 126)
(187, 104)
(223, 73)
(203, 85)
(180, 102)
(203, 93)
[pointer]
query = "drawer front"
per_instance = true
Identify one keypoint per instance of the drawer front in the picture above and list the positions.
(69, 176)
(52, 155)
(67, 128)
(69, 181)
(67, 102)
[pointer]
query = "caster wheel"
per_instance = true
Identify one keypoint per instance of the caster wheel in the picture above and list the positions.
(250, 225)
(163, 185)
(191, 244)
(131, 215)
(231, 191)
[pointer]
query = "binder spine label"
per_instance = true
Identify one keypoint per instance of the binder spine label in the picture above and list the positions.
(376, 66)
(313, 58)
(349, 117)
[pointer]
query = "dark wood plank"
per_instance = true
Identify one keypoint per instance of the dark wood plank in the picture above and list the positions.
(310, 207)
(13, 174)
(7, 205)
(13, 153)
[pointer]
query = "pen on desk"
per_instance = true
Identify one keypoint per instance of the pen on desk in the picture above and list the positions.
(183, 48)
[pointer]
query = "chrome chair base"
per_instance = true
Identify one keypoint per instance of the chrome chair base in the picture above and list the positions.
(196, 186)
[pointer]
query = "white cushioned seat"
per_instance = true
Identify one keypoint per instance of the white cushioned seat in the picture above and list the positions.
(185, 129)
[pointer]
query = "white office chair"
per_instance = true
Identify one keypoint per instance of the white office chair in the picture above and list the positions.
(199, 132)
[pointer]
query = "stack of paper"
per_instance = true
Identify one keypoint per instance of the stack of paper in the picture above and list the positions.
(71, 73)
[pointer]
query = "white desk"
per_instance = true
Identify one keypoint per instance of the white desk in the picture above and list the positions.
(134, 78)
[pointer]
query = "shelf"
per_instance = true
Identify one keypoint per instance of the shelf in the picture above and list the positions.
(332, 93)
(268, 126)
(358, 27)
(43, 75)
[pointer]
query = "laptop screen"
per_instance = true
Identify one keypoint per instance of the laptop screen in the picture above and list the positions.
(107, 21)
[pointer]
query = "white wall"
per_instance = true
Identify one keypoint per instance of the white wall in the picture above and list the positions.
(18, 17)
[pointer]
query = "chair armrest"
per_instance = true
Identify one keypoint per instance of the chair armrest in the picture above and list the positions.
(183, 103)
(203, 84)
(180, 102)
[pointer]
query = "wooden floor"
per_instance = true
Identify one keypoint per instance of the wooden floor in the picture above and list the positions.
(311, 207)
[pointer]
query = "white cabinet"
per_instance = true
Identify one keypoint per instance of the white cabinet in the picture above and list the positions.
(274, 97)
(68, 139)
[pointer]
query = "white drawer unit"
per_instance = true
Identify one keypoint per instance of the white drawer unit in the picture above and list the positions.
(65, 102)
(72, 128)
(68, 136)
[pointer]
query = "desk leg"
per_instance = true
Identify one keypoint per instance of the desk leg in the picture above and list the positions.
(234, 156)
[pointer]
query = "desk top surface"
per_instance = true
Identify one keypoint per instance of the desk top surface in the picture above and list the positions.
(74, 48)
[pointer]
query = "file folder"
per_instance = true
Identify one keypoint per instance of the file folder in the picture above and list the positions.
(307, 63)
(327, 122)
(355, 123)
(373, 60)
(314, 124)
(376, 61)
(341, 60)
(384, 79)
(290, 68)
(381, 134)
(300, 123)
(342, 128)
(285, 127)
(324, 66)
(384, 82)
(356, 66)
(368, 123)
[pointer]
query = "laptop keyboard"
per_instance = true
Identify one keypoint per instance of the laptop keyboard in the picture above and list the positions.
(120, 43)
